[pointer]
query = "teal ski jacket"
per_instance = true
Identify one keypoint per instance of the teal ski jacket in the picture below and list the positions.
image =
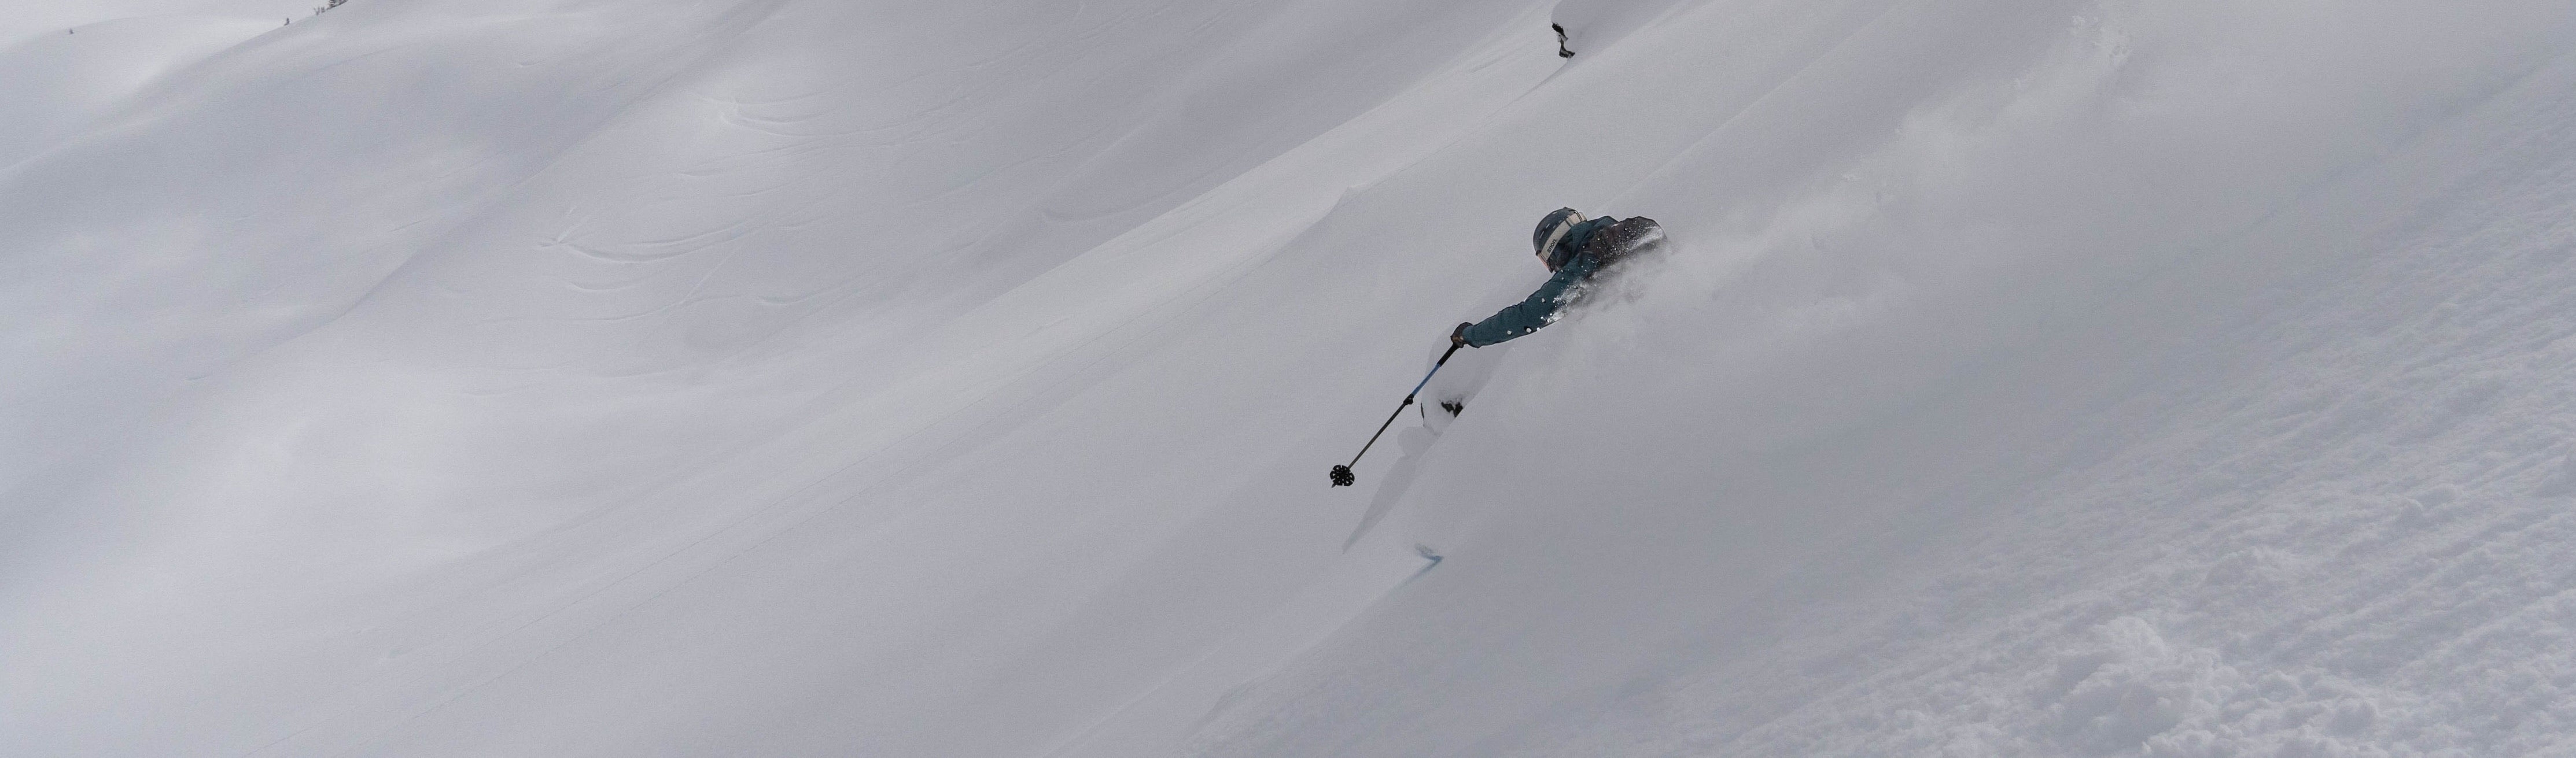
(1546, 305)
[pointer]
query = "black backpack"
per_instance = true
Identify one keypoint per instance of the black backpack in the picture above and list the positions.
(1623, 238)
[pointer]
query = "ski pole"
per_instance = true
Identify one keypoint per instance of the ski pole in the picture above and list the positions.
(1342, 476)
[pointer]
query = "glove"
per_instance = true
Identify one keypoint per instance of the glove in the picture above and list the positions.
(1458, 336)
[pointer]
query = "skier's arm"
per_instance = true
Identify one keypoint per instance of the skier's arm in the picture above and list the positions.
(1530, 314)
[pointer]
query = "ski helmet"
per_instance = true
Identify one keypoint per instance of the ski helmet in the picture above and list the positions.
(1551, 230)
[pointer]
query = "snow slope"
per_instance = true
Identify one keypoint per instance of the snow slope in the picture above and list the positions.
(785, 377)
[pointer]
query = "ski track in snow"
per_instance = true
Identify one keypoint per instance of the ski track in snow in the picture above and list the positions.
(789, 377)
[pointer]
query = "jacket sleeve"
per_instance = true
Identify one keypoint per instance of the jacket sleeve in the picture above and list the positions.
(1530, 314)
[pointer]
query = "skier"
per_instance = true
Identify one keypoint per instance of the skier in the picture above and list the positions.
(1577, 249)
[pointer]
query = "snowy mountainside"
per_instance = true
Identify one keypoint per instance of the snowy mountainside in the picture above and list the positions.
(779, 377)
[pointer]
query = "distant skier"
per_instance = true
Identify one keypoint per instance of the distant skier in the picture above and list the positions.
(1577, 249)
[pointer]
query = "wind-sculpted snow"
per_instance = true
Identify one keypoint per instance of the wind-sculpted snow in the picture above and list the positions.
(787, 377)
